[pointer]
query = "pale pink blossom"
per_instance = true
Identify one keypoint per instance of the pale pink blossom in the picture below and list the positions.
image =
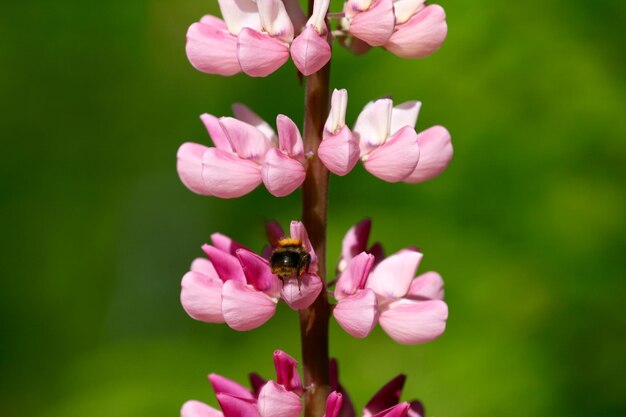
(407, 28)
(236, 286)
(256, 37)
(310, 50)
(339, 150)
(409, 309)
(384, 138)
(247, 153)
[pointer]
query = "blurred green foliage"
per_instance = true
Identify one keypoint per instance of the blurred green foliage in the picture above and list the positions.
(526, 226)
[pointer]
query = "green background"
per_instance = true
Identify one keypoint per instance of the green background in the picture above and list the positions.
(526, 226)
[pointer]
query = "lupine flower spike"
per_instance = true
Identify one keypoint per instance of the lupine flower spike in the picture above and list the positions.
(247, 153)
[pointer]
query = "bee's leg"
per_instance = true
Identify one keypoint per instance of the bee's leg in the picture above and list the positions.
(304, 265)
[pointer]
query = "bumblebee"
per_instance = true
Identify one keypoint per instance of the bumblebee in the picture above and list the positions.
(290, 259)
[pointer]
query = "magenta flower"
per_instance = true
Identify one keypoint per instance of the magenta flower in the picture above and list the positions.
(385, 403)
(410, 310)
(255, 37)
(246, 154)
(407, 28)
(279, 398)
(236, 286)
(384, 138)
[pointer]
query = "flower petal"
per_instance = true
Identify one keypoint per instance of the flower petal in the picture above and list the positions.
(289, 138)
(189, 167)
(416, 409)
(226, 244)
(399, 410)
(428, 286)
(354, 242)
(339, 152)
(334, 402)
(435, 154)
(405, 9)
(237, 407)
(223, 385)
(354, 276)
(375, 25)
(275, 20)
(358, 313)
(212, 49)
(205, 267)
(410, 322)
(318, 17)
(337, 115)
(281, 174)
(404, 114)
(228, 176)
(287, 372)
(260, 54)
(373, 125)
(300, 295)
(201, 297)
(244, 307)
(258, 273)
(247, 141)
(245, 114)
(256, 382)
(239, 14)
(298, 231)
(216, 132)
(310, 51)
(276, 401)
(396, 159)
(226, 265)
(392, 277)
(421, 35)
(194, 408)
(387, 396)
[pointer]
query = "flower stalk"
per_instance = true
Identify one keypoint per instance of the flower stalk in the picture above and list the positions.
(314, 320)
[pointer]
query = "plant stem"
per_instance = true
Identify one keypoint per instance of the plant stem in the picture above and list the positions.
(314, 320)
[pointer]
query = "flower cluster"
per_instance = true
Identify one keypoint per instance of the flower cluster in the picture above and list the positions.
(258, 36)
(236, 286)
(407, 28)
(384, 138)
(373, 289)
(247, 153)
(282, 397)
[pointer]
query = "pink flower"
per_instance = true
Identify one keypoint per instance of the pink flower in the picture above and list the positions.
(385, 403)
(410, 310)
(236, 286)
(246, 153)
(274, 398)
(255, 37)
(384, 138)
(310, 50)
(406, 28)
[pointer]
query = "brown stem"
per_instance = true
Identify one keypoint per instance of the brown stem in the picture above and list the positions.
(314, 320)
